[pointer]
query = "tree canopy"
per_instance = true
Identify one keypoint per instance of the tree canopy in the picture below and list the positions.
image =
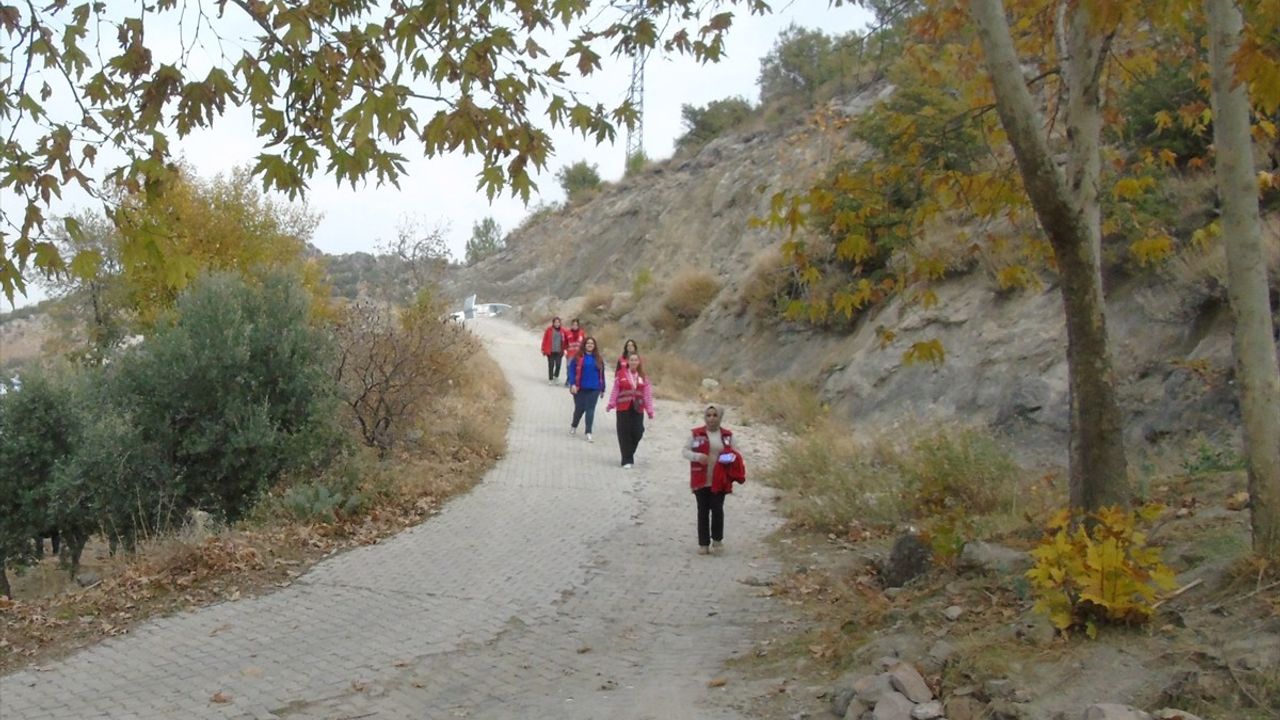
(486, 239)
(343, 87)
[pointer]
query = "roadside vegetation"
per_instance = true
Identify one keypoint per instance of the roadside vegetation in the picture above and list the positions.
(214, 429)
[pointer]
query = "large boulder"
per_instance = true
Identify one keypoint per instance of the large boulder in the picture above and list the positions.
(992, 558)
(907, 681)
(893, 706)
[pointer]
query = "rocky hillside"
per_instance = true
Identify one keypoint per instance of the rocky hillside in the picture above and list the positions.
(1005, 351)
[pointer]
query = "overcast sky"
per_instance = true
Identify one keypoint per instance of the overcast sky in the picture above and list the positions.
(441, 191)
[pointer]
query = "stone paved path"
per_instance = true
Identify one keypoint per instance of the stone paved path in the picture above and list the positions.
(561, 587)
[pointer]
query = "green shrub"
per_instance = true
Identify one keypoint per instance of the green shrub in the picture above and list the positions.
(115, 479)
(312, 502)
(35, 434)
(1208, 458)
(704, 124)
(486, 239)
(641, 284)
(1170, 86)
(579, 180)
(236, 391)
(636, 162)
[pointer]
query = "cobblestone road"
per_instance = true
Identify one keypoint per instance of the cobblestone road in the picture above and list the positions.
(561, 587)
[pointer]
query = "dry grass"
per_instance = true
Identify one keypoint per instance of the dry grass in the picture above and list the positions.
(839, 484)
(940, 244)
(791, 406)
(834, 485)
(596, 306)
(674, 377)
(766, 285)
(686, 297)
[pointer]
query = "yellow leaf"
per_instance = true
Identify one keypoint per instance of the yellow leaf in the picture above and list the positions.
(1151, 250)
(1131, 188)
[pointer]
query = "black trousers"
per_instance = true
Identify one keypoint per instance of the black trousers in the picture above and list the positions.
(553, 365)
(710, 516)
(630, 430)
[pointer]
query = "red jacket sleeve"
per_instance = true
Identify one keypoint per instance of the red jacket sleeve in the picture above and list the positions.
(546, 341)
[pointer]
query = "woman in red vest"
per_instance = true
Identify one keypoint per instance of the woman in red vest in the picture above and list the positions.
(633, 397)
(573, 338)
(714, 466)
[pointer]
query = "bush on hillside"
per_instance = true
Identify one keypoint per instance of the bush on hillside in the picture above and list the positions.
(704, 124)
(834, 484)
(641, 283)
(687, 296)
(486, 239)
(807, 66)
(1167, 88)
(579, 181)
(597, 300)
(636, 162)
(769, 286)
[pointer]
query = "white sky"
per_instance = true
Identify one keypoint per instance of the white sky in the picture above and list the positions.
(441, 191)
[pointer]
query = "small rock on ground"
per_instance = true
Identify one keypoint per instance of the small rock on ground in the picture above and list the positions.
(1114, 711)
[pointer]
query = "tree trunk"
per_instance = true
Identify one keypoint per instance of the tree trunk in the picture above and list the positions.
(1082, 72)
(1257, 372)
(1099, 473)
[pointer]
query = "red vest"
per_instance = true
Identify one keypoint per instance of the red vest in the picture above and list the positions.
(572, 340)
(723, 475)
(628, 393)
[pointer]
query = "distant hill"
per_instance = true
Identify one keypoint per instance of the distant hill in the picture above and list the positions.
(617, 258)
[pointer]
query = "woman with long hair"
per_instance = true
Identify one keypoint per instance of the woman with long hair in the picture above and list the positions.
(586, 382)
(629, 348)
(633, 397)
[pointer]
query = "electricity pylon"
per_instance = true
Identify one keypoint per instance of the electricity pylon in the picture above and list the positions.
(635, 95)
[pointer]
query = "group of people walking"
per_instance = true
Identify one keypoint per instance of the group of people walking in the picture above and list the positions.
(715, 465)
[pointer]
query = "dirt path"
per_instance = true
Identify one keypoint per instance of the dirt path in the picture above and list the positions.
(561, 587)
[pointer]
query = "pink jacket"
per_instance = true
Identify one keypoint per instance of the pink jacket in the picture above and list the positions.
(627, 392)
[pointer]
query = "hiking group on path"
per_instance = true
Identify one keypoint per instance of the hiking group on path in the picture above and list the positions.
(715, 465)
